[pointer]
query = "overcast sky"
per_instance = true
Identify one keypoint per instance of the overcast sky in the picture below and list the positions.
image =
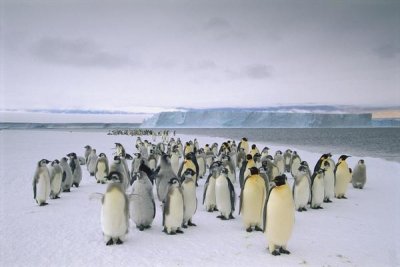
(121, 54)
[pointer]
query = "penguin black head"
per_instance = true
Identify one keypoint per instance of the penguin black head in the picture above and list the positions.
(266, 148)
(207, 145)
(216, 164)
(174, 181)
(72, 155)
(302, 168)
(128, 157)
(138, 155)
(64, 159)
(117, 144)
(257, 156)
(304, 163)
(54, 162)
(278, 152)
(326, 164)
(244, 139)
(294, 152)
(189, 172)
(324, 156)
(249, 157)
(350, 170)
(114, 177)
(280, 180)
(189, 156)
(102, 155)
(343, 157)
(87, 147)
(43, 162)
(224, 171)
(254, 171)
(288, 150)
(117, 158)
(270, 157)
(253, 146)
(361, 161)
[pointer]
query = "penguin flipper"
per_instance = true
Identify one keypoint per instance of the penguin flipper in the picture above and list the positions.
(154, 208)
(232, 193)
(265, 209)
(205, 187)
(64, 176)
(241, 196)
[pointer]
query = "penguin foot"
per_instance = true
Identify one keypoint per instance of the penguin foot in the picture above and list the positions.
(147, 226)
(220, 217)
(231, 216)
(304, 209)
(344, 197)
(275, 253)
(314, 208)
(258, 229)
(299, 209)
(165, 230)
(249, 230)
(210, 210)
(91, 174)
(320, 208)
(179, 231)
(327, 201)
(171, 233)
(284, 251)
(191, 224)
(43, 204)
(140, 227)
(67, 190)
(57, 197)
(119, 242)
(184, 226)
(110, 242)
(215, 209)
(98, 181)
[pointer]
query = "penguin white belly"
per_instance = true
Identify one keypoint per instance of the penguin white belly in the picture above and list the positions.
(302, 193)
(280, 218)
(141, 210)
(281, 166)
(189, 197)
(92, 165)
(317, 193)
(222, 197)
(329, 184)
(113, 218)
(210, 200)
(101, 172)
(252, 209)
(175, 163)
(152, 164)
(43, 188)
(56, 184)
(342, 180)
(201, 163)
(174, 219)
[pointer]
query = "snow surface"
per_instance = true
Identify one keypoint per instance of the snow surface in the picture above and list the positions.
(360, 231)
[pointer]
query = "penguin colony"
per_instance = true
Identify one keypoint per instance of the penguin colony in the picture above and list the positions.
(266, 202)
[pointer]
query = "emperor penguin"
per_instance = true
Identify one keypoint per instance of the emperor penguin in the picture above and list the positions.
(254, 150)
(301, 189)
(67, 178)
(56, 175)
(279, 162)
(240, 158)
(228, 164)
(317, 189)
(118, 166)
(329, 181)
(244, 143)
(265, 152)
(142, 205)
(201, 160)
(102, 169)
(359, 175)
(173, 208)
(318, 165)
(41, 183)
(342, 177)
(175, 156)
(189, 197)
(287, 158)
(91, 162)
(279, 216)
(115, 211)
(295, 163)
(163, 177)
(88, 149)
(75, 168)
(209, 199)
(252, 199)
(225, 196)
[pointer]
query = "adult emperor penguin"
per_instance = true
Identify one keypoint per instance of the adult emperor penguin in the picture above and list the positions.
(209, 200)
(279, 216)
(329, 181)
(67, 179)
(225, 196)
(359, 175)
(41, 183)
(56, 175)
(318, 165)
(301, 189)
(189, 197)
(173, 209)
(287, 158)
(163, 177)
(76, 169)
(88, 149)
(317, 189)
(342, 177)
(91, 162)
(244, 143)
(279, 162)
(142, 208)
(252, 199)
(102, 169)
(115, 211)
